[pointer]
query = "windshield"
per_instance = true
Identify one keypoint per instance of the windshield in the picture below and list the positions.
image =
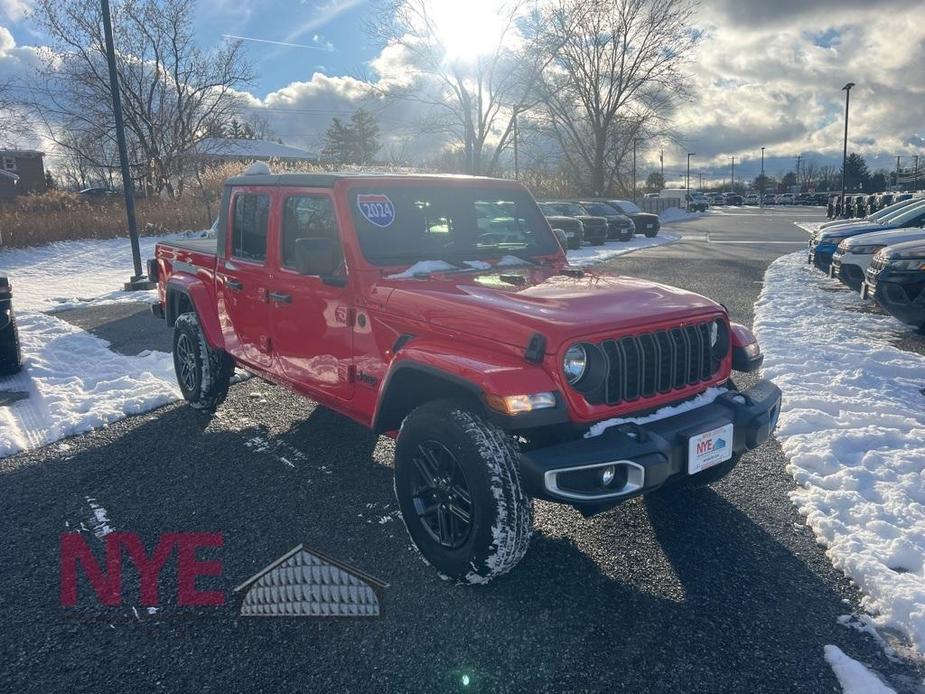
(893, 210)
(569, 209)
(407, 224)
(913, 214)
(599, 209)
(625, 206)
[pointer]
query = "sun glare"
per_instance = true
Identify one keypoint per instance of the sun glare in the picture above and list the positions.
(468, 29)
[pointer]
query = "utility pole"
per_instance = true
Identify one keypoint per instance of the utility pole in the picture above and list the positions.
(844, 161)
(516, 158)
(896, 182)
(689, 155)
(661, 160)
(915, 180)
(799, 157)
(732, 185)
(761, 187)
(634, 169)
(138, 280)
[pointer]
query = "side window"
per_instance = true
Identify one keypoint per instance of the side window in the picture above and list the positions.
(306, 216)
(249, 231)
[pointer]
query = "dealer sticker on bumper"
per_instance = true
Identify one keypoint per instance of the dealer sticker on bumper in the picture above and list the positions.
(709, 448)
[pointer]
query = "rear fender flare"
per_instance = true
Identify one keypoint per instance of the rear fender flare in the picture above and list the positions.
(189, 293)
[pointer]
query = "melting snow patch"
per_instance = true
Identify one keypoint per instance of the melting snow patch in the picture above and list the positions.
(589, 255)
(853, 676)
(853, 425)
(100, 521)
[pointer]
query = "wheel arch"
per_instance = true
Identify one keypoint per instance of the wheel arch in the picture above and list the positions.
(410, 384)
(184, 295)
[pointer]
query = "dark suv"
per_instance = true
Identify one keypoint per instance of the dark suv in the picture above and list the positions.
(619, 226)
(595, 227)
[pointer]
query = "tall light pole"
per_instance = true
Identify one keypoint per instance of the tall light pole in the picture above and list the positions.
(915, 179)
(701, 181)
(761, 187)
(732, 185)
(689, 155)
(896, 182)
(138, 280)
(516, 157)
(844, 159)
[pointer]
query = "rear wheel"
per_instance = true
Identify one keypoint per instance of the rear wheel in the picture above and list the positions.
(458, 487)
(203, 373)
(10, 349)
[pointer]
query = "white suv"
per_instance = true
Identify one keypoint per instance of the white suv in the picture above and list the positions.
(853, 255)
(785, 199)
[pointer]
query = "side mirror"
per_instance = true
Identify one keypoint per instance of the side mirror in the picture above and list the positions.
(317, 256)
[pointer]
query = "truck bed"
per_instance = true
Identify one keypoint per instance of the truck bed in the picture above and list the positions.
(195, 245)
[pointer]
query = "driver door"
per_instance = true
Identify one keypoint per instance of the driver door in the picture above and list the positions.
(311, 317)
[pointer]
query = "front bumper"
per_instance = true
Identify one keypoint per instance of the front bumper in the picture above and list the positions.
(648, 455)
(821, 257)
(902, 296)
(848, 273)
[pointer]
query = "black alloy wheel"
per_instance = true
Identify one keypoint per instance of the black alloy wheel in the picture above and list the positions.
(441, 495)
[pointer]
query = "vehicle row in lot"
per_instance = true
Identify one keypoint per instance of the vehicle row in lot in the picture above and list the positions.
(858, 205)
(599, 221)
(882, 257)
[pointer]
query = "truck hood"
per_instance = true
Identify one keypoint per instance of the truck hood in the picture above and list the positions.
(887, 238)
(558, 306)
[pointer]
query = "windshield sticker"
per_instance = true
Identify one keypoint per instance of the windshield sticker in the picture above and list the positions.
(377, 209)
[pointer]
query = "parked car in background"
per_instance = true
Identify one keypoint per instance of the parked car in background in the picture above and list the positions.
(873, 203)
(882, 214)
(804, 199)
(895, 279)
(717, 199)
(594, 228)
(823, 243)
(821, 199)
(785, 199)
(769, 199)
(885, 200)
(859, 206)
(570, 226)
(646, 222)
(98, 193)
(853, 255)
(619, 226)
(690, 200)
(733, 198)
(10, 351)
(753, 199)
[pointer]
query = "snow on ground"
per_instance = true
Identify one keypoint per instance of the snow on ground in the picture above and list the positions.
(810, 227)
(853, 676)
(75, 384)
(589, 255)
(853, 426)
(676, 214)
(69, 274)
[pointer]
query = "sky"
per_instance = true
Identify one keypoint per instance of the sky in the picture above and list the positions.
(766, 74)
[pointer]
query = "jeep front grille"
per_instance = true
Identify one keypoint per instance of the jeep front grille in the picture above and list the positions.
(641, 366)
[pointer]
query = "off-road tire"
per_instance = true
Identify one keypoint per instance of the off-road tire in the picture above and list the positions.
(625, 238)
(204, 382)
(500, 512)
(10, 348)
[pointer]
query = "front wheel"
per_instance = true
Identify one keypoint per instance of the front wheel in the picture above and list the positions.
(458, 486)
(203, 373)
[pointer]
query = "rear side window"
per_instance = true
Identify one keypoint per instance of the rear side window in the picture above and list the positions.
(249, 231)
(306, 216)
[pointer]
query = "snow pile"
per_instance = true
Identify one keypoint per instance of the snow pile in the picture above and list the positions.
(853, 426)
(810, 227)
(705, 398)
(853, 677)
(589, 255)
(68, 274)
(423, 267)
(75, 384)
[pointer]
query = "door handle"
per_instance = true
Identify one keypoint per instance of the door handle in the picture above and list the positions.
(234, 284)
(280, 298)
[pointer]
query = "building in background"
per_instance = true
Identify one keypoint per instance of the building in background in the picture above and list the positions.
(215, 150)
(22, 171)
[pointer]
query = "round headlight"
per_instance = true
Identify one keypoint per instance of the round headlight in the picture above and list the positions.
(714, 333)
(575, 363)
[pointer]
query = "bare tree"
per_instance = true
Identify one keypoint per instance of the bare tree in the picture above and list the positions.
(171, 90)
(473, 101)
(615, 77)
(13, 124)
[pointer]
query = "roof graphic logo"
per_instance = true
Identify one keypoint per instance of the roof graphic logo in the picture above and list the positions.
(306, 583)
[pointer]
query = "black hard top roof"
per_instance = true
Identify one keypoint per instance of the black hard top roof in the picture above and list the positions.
(327, 180)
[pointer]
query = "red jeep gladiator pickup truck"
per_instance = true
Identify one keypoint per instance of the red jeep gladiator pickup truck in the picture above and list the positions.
(443, 311)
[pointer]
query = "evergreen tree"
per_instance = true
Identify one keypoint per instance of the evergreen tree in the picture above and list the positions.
(355, 142)
(655, 182)
(857, 177)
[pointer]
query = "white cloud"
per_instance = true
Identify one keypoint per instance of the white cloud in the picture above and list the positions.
(14, 10)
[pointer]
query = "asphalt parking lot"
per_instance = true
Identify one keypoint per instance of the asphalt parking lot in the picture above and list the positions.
(724, 589)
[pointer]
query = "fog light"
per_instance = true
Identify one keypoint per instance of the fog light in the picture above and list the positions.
(752, 350)
(607, 475)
